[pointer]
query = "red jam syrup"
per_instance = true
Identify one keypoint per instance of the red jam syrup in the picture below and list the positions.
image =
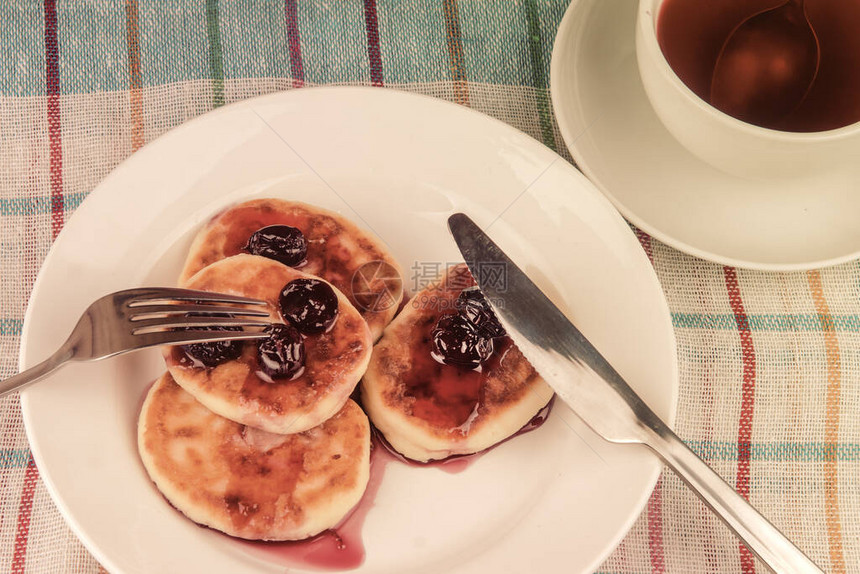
(447, 396)
(691, 34)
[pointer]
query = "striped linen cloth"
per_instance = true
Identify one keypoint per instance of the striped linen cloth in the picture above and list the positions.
(769, 362)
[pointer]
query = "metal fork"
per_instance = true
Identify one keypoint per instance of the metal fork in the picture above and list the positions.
(146, 317)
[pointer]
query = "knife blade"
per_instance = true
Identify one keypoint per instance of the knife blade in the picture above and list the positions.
(594, 390)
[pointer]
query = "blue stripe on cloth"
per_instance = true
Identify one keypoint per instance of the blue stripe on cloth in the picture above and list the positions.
(14, 457)
(38, 205)
(11, 327)
(549, 17)
(334, 42)
(419, 50)
(174, 46)
(777, 451)
(494, 54)
(86, 29)
(764, 322)
(22, 49)
(256, 32)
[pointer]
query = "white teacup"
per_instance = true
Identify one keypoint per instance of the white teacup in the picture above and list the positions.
(723, 141)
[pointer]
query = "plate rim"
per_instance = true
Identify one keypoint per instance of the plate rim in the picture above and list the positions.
(129, 163)
(562, 117)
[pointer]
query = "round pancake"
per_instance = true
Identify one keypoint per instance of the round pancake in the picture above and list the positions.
(335, 360)
(246, 482)
(430, 411)
(338, 251)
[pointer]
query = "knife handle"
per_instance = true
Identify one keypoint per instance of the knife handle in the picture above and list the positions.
(762, 538)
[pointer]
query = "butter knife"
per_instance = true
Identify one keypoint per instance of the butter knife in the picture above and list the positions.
(583, 379)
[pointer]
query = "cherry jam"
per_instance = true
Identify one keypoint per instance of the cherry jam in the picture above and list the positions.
(472, 305)
(213, 353)
(279, 242)
(458, 342)
(310, 305)
(465, 338)
(282, 355)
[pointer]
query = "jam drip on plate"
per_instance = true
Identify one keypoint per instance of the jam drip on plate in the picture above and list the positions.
(457, 463)
(342, 547)
(338, 548)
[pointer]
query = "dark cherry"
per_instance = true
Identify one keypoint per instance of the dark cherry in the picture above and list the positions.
(216, 352)
(279, 242)
(282, 355)
(474, 306)
(457, 341)
(310, 305)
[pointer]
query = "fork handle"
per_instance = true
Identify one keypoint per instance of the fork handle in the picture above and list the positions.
(36, 372)
(763, 538)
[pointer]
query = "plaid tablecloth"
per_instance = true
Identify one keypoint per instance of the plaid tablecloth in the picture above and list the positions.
(770, 362)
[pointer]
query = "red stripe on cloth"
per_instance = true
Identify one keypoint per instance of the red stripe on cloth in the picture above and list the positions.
(646, 243)
(374, 55)
(52, 83)
(25, 511)
(297, 70)
(655, 529)
(742, 483)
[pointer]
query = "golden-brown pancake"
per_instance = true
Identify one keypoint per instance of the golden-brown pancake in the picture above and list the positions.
(428, 410)
(338, 251)
(236, 389)
(250, 483)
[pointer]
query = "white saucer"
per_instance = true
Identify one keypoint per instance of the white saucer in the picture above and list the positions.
(619, 143)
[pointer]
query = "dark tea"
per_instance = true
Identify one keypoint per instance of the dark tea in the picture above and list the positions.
(692, 32)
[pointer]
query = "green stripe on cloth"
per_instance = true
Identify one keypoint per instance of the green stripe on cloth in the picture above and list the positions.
(14, 457)
(216, 62)
(334, 43)
(22, 49)
(176, 46)
(764, 322)
(495, 54)
(254, 39)
(11, 327)
(86, 28)
(412, 41)
(776, 451)
(173, 46)
(538, 75)
(38, 205)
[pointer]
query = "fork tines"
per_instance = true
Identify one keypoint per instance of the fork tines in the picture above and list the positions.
(153, 295)
(153, 310)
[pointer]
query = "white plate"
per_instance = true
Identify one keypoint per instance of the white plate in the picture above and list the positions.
(616, 138)
(555, 500)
